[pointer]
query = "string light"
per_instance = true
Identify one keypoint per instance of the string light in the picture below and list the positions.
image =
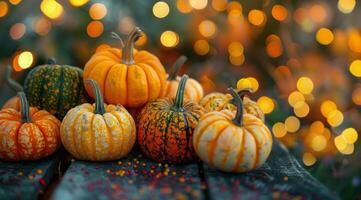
(78, 3)
(266, 104)
(51, 9)
(355, 68)
(160, 9)
(169, 39)
(201, 47)
(97, 11)
(4, 8)
(207, 28)
(305, 85)
(95, 29)
(198, 4)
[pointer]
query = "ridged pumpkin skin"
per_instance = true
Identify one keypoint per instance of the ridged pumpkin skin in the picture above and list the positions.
(193, 90)
(13, 103)
(28, 140)
(230, 145)
(218, 101)
(98, 136)
(165, 129)
(128, 77)
(55, 88)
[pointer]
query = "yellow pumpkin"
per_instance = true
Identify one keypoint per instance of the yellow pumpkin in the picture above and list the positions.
(14, 102)
(128, 77)
(193, 90)
(232, 141)
(98, 132)
(218, 101)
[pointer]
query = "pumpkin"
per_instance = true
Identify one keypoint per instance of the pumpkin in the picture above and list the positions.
(165, 128)
(193, 90)
(98, 132)
(128, 77)
(55, 88)
(28, 134)
(218, 101)
(232, 141)
(14, 102)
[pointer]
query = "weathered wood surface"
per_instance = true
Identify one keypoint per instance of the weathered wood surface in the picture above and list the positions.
(27, 180)
(281, 177)
(130, 178)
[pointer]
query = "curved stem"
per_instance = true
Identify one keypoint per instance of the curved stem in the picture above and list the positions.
(180, 92)
(239, 103)
(243, 93)
(51, 61)
(176, 67)
(116, 36)
(99, 102)
(127, 57)
(13, 84)
(24, 108)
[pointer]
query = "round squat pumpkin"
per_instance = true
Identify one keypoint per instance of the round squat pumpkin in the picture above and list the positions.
(98, 132)
(128, 77)
(28, 134)
(14, 102)
(193, 89)
(166, 128)
(232, 141)
(55, 88)
(218, 101)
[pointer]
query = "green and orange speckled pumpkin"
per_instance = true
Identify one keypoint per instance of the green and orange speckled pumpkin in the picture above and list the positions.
(218, 101)
(128, 77)
(28, 134)
(193, 90)
(55, 88)
(165, 128)
(98, 132)
(14, 102)
(232, 141)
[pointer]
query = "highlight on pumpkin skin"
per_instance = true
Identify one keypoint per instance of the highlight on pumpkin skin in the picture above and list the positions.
(24, 124)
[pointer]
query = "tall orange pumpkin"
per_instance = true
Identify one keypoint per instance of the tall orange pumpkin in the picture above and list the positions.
(193, 89)
(14, 102)
(165, 128)
(128, 77)
(28, 134)
(232, 141)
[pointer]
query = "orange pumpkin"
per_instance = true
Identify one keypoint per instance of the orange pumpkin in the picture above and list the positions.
(232, 141)
(128, 77)
(14, 102)
(165, 128)
(218, 101)
(29, 134)
(193, 90)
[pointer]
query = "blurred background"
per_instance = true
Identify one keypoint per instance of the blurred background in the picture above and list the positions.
(303, 59)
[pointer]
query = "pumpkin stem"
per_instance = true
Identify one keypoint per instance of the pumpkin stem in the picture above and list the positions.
(239, 103)
(13, 84)
(99, 102)
(127, 57)
(51, 61)
(242, 93)
(180, 92)
(116, 36)
(176, 67)
(24, 108)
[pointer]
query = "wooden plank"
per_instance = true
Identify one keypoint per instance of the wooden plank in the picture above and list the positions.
(281, 177)
(27, 180)
(132, 177)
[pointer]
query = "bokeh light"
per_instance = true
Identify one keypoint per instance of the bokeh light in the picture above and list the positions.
(78, 3)
(160, 9)
(335, 118)
(350, 135)
(4, 8)
(235, 49)
(301, 109)
(324, 36)
(266, 104)
(51, 9)
(292, 124)
(346, 6)
(257, 17)
(97, 11)
(355, 68)
(309, 159)
(95, 29)
(42, 26)
(295, 97)
(17, 31)
(25, 59)
(219, 5)
(305, 85)
(15, 2)
(248, 83)
(327, 107)
(198, 4)
(207, 28)
(169, 39)
(279, 130)
(279, 12)
(183, 6)
(201, 47)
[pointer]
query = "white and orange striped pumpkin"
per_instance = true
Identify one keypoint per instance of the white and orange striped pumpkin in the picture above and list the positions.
(232, 141)
(98, 132)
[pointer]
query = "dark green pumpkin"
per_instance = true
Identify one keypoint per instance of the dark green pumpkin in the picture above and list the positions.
(55, 88)
(165, 128)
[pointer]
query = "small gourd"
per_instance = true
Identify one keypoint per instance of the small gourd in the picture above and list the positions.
(98, 132)
(165, 128)
(28, 134)
(232, 141)
(193, 89)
